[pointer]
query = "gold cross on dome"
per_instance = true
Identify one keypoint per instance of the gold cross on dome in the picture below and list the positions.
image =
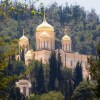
(44, 15)
(23, 32)
(65, 31)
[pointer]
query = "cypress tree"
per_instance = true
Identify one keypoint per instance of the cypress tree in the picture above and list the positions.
(59, 73)
(78, 74)
(53, 71)
(40, 80)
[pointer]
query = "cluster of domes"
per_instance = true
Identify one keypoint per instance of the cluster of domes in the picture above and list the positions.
(44, 33)
(47, 27)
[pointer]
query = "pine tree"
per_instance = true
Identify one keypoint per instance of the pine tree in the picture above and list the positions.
(78, 74)
(53, 71)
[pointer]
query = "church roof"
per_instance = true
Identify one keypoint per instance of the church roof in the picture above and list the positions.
(23, 38)
(66, 37)
(45, 26)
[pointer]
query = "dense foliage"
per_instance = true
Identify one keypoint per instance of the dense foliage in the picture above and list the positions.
(84, 30)
(95, 69)
(52, 95)
(84, 92)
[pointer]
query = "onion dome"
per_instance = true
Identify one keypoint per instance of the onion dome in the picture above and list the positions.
(44, 26)
(44, 35)
(23, 38)
(66, 37)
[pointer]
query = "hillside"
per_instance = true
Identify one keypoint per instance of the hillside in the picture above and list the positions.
(84, 28)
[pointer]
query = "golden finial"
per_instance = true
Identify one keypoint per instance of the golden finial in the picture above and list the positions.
(66, 30)
(23, 32)
(44, 19)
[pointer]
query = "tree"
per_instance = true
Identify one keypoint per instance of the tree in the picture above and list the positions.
(40, 80)
(84, 91)
(37, 77)
(52, 95)
(67, 83)
(18, 67)
(78, 74)
(53, 70)
(59, 72)
(95, 69)
(7, 50)
(15, 94)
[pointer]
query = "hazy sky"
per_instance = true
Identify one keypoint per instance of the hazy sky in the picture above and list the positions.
(87, 4)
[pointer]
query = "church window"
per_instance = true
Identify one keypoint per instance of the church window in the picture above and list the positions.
(44, 44)
(51, 43)
(66, 46)
(27, 47)
(63, 46)
(69, 47)
(47, 44)
(71, 63)
(39, 44)
(85, 64)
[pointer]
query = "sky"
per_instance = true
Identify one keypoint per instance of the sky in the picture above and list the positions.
(87, 4)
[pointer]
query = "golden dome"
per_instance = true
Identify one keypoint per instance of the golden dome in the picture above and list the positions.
(44, 34)
(44, 27)
(23, 38)
(66, 37)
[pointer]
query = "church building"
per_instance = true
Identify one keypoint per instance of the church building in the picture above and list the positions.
(45, 43)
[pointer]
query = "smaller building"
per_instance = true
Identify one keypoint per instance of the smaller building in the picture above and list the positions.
(24, 86)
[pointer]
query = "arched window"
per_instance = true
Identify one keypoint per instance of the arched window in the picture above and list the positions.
(27, 47)
(71, 63)
(69, 47)
(66, 47)
(51, 43)
(39, 44)
(63, 46)
(47, 44)
(44, 44)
